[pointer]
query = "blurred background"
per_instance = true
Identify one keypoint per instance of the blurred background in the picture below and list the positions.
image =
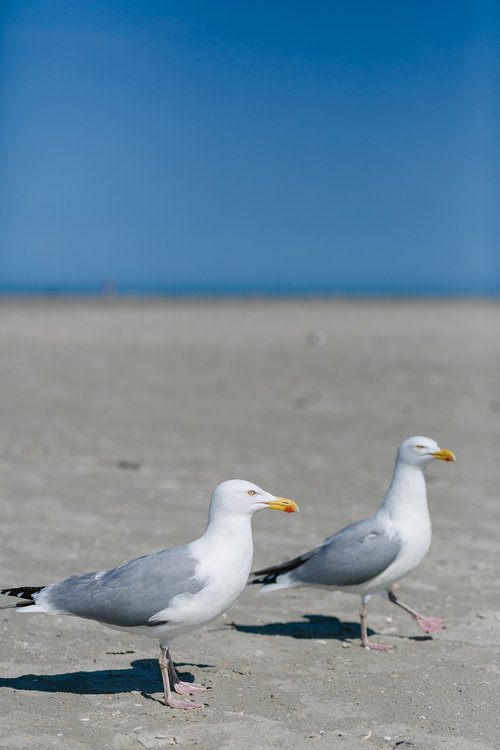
(324, 151)
(184, 147)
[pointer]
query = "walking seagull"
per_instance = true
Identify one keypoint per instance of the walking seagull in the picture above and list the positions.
(170, 592)
(369, 556)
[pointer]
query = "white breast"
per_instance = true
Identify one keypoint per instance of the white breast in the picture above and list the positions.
(415, 533)
(224, 568)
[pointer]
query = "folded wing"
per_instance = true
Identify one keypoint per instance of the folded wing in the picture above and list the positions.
(350, 557)
(126, 596)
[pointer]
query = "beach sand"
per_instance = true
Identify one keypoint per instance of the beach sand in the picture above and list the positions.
(119, 418)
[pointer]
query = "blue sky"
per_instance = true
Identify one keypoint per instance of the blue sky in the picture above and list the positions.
(328, 146)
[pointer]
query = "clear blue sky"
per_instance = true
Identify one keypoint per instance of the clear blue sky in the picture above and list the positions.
(350, 146)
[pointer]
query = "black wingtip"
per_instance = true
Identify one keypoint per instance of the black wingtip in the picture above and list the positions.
(23, 592)
(265, 580)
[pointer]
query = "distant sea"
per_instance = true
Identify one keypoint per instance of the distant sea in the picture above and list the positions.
(110, 289)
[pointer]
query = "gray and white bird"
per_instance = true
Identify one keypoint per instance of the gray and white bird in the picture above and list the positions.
(170, 592)
(369, 556)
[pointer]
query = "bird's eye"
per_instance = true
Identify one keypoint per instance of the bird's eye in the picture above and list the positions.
(421, 447)
(252, 492)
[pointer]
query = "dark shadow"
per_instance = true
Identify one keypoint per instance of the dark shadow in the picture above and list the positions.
(319, 627)
(314, 626)
(414, 637)
(143, 675)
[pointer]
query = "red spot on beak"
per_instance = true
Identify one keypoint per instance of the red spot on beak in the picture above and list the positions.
(288, 510)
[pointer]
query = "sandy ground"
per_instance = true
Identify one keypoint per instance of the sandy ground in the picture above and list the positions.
(117, 421)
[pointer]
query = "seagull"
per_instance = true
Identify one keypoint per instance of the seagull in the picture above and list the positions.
(369, 556)
(170, 592)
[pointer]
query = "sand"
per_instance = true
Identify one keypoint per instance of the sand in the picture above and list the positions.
(119, 418)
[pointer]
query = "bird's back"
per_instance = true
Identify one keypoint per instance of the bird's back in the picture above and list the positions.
(350, 557)
(126, 596)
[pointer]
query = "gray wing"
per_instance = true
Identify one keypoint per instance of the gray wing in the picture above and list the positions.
(129, 595)
(350, 557)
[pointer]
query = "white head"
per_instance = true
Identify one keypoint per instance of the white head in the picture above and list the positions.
(420, 451)
(238, 497)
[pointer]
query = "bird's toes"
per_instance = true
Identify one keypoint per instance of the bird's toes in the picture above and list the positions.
(186, 705)
(186, 688)
(430, 624)
(373, 646)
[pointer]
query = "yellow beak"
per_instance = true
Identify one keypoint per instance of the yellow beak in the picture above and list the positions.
(282, 503)
(444, 455)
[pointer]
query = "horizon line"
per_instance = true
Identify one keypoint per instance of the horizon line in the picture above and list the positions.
(111, 290)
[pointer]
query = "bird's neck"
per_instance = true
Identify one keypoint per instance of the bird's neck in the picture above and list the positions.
(229, 530)
(407, 494)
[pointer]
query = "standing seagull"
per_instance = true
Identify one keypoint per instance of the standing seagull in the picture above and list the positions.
(170, 592)
(371, 555)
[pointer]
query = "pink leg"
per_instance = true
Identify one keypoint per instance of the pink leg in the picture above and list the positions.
(181, 687)
(164, 661)
(365, 643)
(427, 624)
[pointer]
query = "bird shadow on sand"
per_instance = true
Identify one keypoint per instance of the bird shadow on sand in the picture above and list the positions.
(142, 675)
(313, 626)
(318, 627)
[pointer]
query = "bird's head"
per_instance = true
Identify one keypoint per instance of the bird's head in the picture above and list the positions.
(239, 497)
(420, 451)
